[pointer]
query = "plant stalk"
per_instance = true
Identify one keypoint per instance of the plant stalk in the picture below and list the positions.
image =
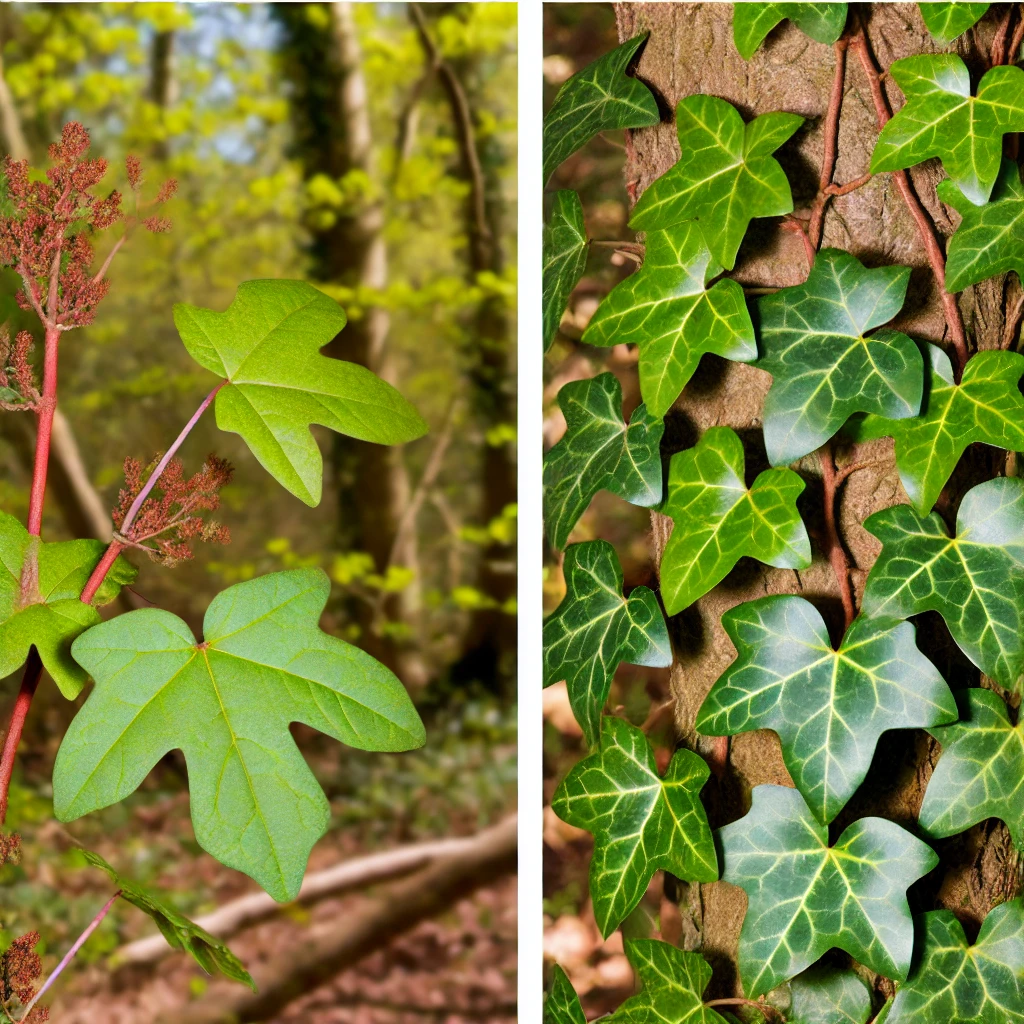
(44, 431)
(836, 552)
(29, 681)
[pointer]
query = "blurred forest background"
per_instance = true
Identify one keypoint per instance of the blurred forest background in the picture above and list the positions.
(370, 149)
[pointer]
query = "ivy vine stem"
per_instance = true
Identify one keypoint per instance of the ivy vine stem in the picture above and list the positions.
(835, 551)
(831, 150)
(765, 1008)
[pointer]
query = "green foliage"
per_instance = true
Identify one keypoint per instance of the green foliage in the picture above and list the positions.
(595, 628)
(829, 995)
(751, 22)
(718, 520)
(946, 21)
(804, 897)
(666, 309)
(599, 451)
(725, 177)
(562, 1005)
(641, 822)
(565, 258)
(227, 703)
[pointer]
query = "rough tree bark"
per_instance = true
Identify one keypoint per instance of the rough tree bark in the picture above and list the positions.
(690, 50)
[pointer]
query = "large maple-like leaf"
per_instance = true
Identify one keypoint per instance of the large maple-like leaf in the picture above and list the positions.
(974, 580)
(266, 344)
(562, 1005)
(725, 177)
(825, 366)
(641, 822)
(751, 22)
(595, 628)
(804, 897)
(981, 771)
(954, 983)
(667, 311)
(40, 585)
(986, 407)
(946, 21)
(829, 995)
(599, 451)
(718, 520)
(941, 119)
(226, 703)
(599, 98)
(828, 707)
(565, 258)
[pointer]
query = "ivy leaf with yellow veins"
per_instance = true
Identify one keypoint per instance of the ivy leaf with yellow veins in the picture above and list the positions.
(562, 1005)
(946, 21)
(829, 995)
(751, 22)
(565, 258)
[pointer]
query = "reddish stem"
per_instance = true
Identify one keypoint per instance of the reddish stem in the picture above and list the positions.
(29, 681)
(836, 552)
(99, 574)
(831, 152)
(765, 1008)
(44, 431)
(809, 251)
(850, 186)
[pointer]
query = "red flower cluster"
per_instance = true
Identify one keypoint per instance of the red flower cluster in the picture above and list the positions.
(20, 967)
(16, 373)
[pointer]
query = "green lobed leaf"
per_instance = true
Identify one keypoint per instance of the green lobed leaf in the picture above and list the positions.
(751, 22)
(953, 982)
(267, 345)
(981, 771)
(595, 627)
(210, 953)
(665, 309)
(828, 707)
(941, 119)
(718, 520)
(641, 823)
(47, 613)
(226, 703)
(985, 407)
(824, 365)
(565, 258)
(562, 1005)
(974, 580)
(829, 995)
(804, 897)
(599, 452)
(725, 177)
(599, 98)
(946, 21)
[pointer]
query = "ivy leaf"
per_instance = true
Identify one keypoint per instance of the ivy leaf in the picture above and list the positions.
(981, 772)
(719, 521)
(752, 22)
(47, 613)
(599, 452)
(990, 239)
(804, 897)
(226, 703)
(210, 953)
(986, 406)
(665, 309)
(974, 580)
(595, 628)
(952, 981)
(946, 21)
(565, 258)
(828, 707)
(641, 823)
(824, 364)
(725, 177)
(562, 1005)
(829, 995)
(599, 98)
(267, 345)
(941, 119)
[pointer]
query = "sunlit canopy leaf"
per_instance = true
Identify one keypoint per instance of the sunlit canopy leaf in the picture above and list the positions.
(946, 21)
(562, 1005)
(565, 258)
(751, 22)
(829, 995)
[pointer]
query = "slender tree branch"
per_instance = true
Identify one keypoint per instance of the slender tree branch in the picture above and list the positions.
(836, 553)
(29, 681)
(831, 149)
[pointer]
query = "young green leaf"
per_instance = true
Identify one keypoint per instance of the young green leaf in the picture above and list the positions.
(562, 1005)
(599, 452)
(595, 628)
(267, 345)
(974, 580)
(825, 367)
(804, 897)
(828, 707)
(41, 606)
(226, 703)
(599, 98)
(718, 520)
(946, 21)
(941, 119)
(829, 995)
(953, 982)
(641, 823)
(725, 177)
(565, 258)
(210, 953)
(665, 309)
(751, 22)
(981, 772)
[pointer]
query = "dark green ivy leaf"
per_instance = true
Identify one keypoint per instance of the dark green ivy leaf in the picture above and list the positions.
(599, 452)
(825, 367)
(599, 98)
(562, 1005)
(751, 22)
(595, 628)
(565, 258)
(725, 177)
(804, 897)
(829, 995)
(665, 309)
(946, 21)
(641, 823)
